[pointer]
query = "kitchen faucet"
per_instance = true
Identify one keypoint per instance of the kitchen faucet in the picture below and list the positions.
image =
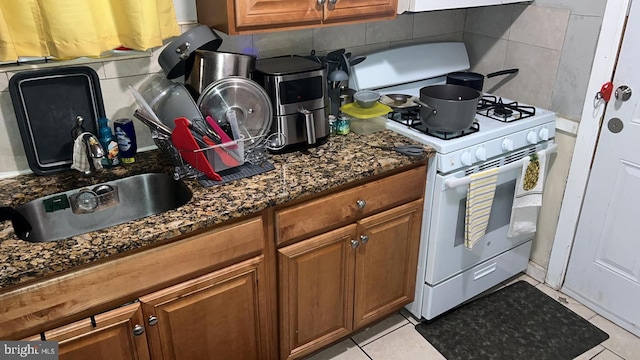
(93, 148)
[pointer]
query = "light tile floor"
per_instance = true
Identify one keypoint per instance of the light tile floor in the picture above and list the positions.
(395, 337)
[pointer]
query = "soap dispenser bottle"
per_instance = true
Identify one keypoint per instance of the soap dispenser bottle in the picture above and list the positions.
(106, 138)
(126, 135)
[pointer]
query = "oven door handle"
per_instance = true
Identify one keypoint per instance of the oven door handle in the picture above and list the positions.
(454, 183)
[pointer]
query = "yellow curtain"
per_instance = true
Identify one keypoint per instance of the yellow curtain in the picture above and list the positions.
(74, 28)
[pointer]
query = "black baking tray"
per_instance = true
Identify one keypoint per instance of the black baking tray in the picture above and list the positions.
(46, 103)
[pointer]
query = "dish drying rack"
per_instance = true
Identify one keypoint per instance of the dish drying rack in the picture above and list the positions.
(256, 155)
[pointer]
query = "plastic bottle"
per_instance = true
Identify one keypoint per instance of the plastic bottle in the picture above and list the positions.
(126, 136)
(106, 139)
(332, 124)
(343, 125)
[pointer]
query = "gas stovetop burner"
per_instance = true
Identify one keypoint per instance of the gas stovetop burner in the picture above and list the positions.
(411, 118)
(503, 111)
(448, 135)
(494, 108)
(406, 116)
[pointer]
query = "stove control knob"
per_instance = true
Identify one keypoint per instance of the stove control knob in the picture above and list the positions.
(544, 134)
(466, 159)
(481, 153)
(532, 137)
(507, 145)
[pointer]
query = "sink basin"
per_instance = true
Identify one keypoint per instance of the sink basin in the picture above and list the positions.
(53, 217)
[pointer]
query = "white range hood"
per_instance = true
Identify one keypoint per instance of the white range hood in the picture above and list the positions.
(430, 5)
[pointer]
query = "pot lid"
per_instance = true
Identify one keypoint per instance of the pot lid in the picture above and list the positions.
(394, 104)
(249, 101)
(355, 110)
(46, 103)
(177, 58)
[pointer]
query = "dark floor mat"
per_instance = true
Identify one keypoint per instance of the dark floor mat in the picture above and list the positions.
(516, 322)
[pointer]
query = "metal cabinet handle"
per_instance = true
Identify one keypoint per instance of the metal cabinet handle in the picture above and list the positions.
(361, 204)
(138, 330)
(355, 243)
(332, 2)
(152, 320)
(364, 239)
(321, 2)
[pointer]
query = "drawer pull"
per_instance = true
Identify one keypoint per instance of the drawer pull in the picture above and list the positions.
(321, 2)
(484, 272)
(138, 330)
(364, 239)
(355, 243)
(152, 320)
(361, 204)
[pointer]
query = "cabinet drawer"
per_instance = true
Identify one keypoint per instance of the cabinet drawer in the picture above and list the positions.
(327, 212)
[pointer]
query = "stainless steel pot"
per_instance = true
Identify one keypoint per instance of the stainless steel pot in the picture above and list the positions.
(211, 66)
(448, 107)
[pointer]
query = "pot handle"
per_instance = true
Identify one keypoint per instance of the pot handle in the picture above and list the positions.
(433, 111)
(503, 72)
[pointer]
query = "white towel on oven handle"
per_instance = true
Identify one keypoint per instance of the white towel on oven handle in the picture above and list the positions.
(478, 207)
(527, 203)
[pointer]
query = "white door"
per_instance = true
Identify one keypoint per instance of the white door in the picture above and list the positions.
(604, 267)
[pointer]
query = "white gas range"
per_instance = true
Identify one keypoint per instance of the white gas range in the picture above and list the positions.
(448, 272)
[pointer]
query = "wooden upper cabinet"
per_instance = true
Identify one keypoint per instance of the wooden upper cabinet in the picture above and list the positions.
(118, 334)
(221, 315)
(236, 17)
(254, 13)
(353, 10)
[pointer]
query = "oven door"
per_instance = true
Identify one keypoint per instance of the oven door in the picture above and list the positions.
(447, 255)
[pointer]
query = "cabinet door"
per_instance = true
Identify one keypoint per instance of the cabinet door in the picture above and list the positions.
(112, 337)
(221, 315)
(347, 10)
(386, 262)
(276, 13)
(236, 17)
(316, 291)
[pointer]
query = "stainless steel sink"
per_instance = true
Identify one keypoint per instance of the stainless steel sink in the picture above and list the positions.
(53, 217)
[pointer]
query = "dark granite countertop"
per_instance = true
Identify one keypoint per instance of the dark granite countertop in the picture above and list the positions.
(342, 159)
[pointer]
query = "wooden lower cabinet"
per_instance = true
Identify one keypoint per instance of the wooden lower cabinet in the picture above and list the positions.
(316, 291)
(335, 283)
(386, 263)
(221, 315)
(118, 334)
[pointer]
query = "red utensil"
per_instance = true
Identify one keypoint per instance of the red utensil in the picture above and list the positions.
(186, 144)
(226, 158)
